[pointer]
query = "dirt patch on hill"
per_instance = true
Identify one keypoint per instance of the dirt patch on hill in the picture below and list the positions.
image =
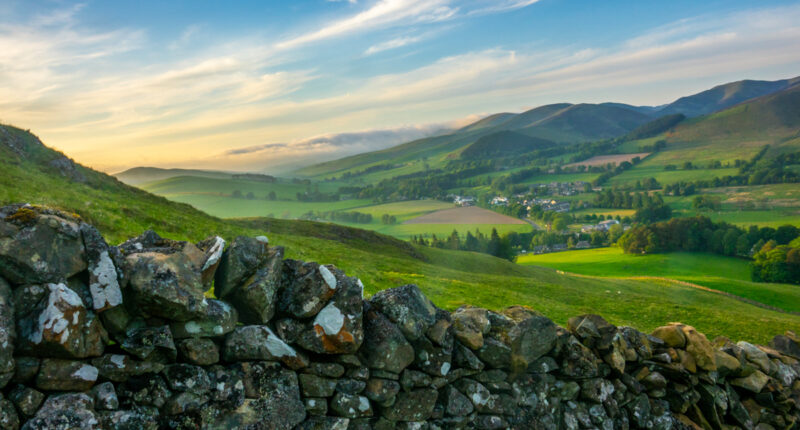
(467, 215)
(602, 160)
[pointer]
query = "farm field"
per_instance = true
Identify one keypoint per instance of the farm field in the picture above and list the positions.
(229, 207)
(464, 215)
(762, 205)
(727, 274)
(602, 160)
(406, 209)
(283, 188)
(406, 231)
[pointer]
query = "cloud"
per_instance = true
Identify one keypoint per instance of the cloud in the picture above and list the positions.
(383, 14)
(392, 44)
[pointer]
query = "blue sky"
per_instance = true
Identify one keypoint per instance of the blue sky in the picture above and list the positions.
(256, 85)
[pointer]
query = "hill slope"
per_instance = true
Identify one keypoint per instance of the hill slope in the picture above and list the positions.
(37, 174)
(141, 175)
(725, 96)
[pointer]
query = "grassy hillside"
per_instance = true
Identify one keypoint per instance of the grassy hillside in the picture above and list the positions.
(724, 96)
(140, 175)
(450, 278)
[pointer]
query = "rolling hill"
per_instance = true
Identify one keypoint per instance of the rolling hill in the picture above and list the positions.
(560, 123)
(39, 175)
(503, 144)
(140, 175)
(725, 96)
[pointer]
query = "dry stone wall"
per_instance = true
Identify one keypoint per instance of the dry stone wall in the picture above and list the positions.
(125, 337)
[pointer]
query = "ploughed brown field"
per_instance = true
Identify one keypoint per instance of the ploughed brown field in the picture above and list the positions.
(466, 215)
(601, 160)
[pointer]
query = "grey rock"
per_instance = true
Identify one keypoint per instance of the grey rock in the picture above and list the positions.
(199, 351)
(72, 411)
(256, 297)
(316, 406)
(151, 344)
(325, 423)
(186, 377)
(119, 367)
(25, 369)
(454, 403)
(307, 287)
(351, 406)
(144, 390)
(256, 342)
(65, 375)
(52, 321)
(385, 347)
(39, 245)
(416, 405)
(381, 391)
(407, 308)
(218, 319)
(494, 353)
(242, 258)
(331, 370)
(8, 416)
(105, 396)
(104, 283)
(27, 400)
(316, 386)
(212, 248)
(531, 339)
(138, 418)
(469, 326)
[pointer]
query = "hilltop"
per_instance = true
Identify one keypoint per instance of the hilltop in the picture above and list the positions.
(37, 174)
(140, 175)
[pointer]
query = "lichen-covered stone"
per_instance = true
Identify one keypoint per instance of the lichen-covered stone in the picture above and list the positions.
(454, 403)
(213, 248)
(9, 419)
(151, 344)
(103, 276)
(53, 322)
(217, 320)
(39, 246)
(257, 342)
(382, 391)
(8, 330)
(307, 287)
(316, 386)
(469, 326)
(278, 406)
(416, 405)
(199, 351)
(120, 367)
(407, 308)
(256, 298)
(71, 411)
(385, 347)
(242, 258)
(530, 339)
(105, 396)
(164, 277)
(65, 375)
(338, 327)
(26, 399)
(351, 405)
(137, 418)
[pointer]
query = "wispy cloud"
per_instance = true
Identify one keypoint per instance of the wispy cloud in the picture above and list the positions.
(392, 44)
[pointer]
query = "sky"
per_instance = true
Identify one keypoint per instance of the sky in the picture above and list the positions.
(266, 86)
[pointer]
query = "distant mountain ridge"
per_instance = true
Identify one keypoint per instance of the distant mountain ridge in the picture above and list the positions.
(140, 175)
(560, 123)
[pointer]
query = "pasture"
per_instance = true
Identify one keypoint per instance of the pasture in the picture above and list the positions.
(464, 215)
(602, 160)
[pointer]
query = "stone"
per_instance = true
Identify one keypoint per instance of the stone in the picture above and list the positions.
(351, 406)
(164, 277)
(464, 357)
(212, 248)
(325, 423)
(726, 363)
(350, 386)
(105, 396)
(183, 403)
(597, 390)
(316, 386)
(414, 379)
(338, 328)
(103, 276)
(755, 382)
(278, 406)
(307, 287)
(672, 335)
(119, 367)
(151, 344)
(186, 377)
(227, 387)
(482, 399)
(578, 361)
(639, 345)
(469, 326)
(755, 355)
(242, 258)
(593, 331)
(55, 323)
(199, 351)
(698, 346)
(144, 390)
(384, 347)
(257, 342)
(27, 400)
(381, 391)
(416, 405)
(494, 353)
(454, 403)
(530, 339)
(8, 330)
(407, 308)
(218, 319)
(256, 297)
(39, 246)
(65, 375)
(431, 358)
(73, 411)
(316, 407)
(331, 370)
(139, 418)
(25, 369)
(9, 419)
(786, 346)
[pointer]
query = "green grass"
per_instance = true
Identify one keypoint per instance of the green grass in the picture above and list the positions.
(405, 210)
(405, 231)
(612, 262)
(449, 278)
(229, 207)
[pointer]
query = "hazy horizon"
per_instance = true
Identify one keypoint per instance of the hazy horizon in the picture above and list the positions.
(271, 86)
